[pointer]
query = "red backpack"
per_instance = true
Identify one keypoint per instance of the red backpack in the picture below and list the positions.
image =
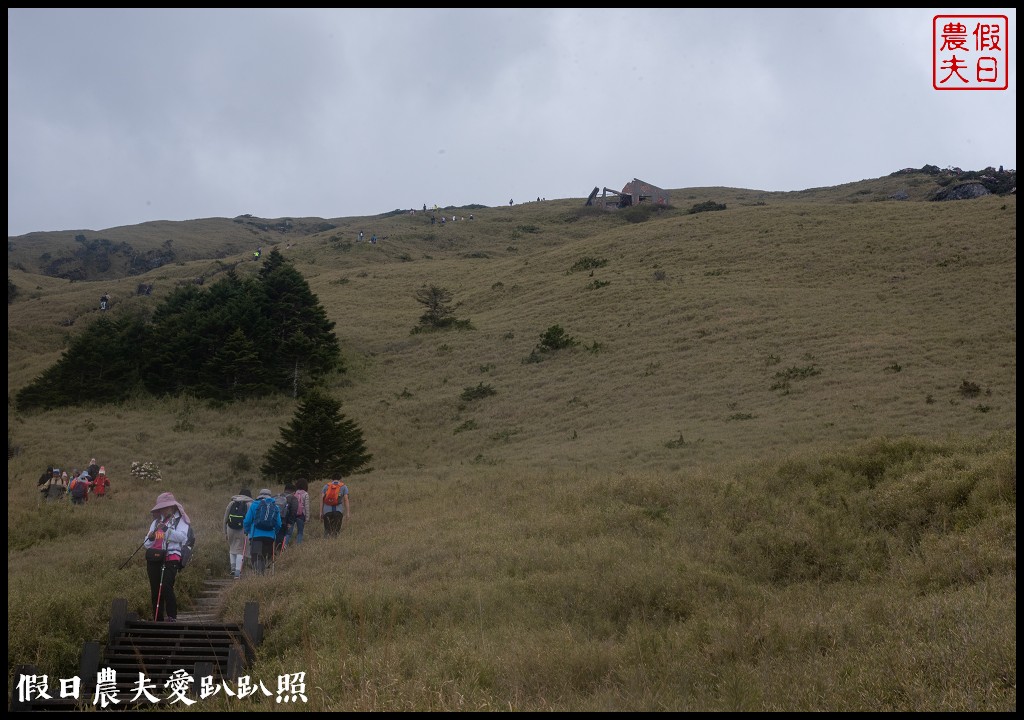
(332, 496)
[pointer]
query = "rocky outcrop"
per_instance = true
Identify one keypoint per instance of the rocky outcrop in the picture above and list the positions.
(965, 191)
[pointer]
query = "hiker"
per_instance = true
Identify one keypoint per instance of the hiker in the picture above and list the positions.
(92, 468)
(334, 506)
(302, 496)
(55, 486)
(43, 484)
(234, 533)
(163, 543)
(79, 489)
(261, 525)
(45, 477)
(65, 483)
(101, 483)
(288, 505)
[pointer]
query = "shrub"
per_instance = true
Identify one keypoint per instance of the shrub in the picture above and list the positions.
(708, 206)
(641, 213)
(970, 389)
(145, 471)
(555, 338)
(478, 392)
(588, 263)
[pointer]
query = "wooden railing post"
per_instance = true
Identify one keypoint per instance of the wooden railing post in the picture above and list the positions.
(89, 667)
(203, 668)
(252, 629)
(118, 619)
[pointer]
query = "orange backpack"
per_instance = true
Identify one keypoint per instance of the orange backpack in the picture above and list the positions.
(332, 496)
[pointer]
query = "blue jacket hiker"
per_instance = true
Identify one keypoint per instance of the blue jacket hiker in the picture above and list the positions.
(262, 524)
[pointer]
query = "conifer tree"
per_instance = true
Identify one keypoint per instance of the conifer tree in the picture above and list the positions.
(235, 371)
(439, 312)
(239, 338)
(317, 442)
(305, 346)
(99, 366)
(173, 352)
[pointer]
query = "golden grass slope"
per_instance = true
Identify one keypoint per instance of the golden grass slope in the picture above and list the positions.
(689, 334)
(777, 473)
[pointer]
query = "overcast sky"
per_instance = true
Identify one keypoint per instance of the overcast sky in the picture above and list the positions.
(118, 117)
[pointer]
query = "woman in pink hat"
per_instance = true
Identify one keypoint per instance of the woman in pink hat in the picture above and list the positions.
(167, 533)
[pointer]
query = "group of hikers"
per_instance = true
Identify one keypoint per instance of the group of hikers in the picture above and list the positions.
(56, 484)
(261, 527)
(266, 524)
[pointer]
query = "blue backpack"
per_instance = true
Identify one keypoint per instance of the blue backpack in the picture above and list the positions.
(266, 514)
(79, 488)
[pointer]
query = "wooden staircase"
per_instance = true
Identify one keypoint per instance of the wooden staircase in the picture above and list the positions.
(197, 646)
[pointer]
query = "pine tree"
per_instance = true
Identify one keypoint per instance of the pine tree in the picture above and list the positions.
(235, 371)
(239, 338)
(305, 346)
(317, 442)
(174, 353)
(100, 366)
(437, 300)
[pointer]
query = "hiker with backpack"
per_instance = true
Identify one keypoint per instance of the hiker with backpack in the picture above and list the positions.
(334, 507)
(79, 489)
(164, 543)
(302, 496)
(234, 533)
(261, 525)
(65, 483)
(55, 486)
(288, 505)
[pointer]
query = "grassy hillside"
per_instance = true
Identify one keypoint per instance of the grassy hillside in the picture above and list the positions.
(781, 455)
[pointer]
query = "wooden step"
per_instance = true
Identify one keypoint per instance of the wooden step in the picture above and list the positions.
(199, 644)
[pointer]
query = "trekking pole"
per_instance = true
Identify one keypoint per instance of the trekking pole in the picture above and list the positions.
(125, 563)
(159, 593)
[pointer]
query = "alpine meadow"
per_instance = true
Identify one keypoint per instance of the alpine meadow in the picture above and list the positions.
(748, 451)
